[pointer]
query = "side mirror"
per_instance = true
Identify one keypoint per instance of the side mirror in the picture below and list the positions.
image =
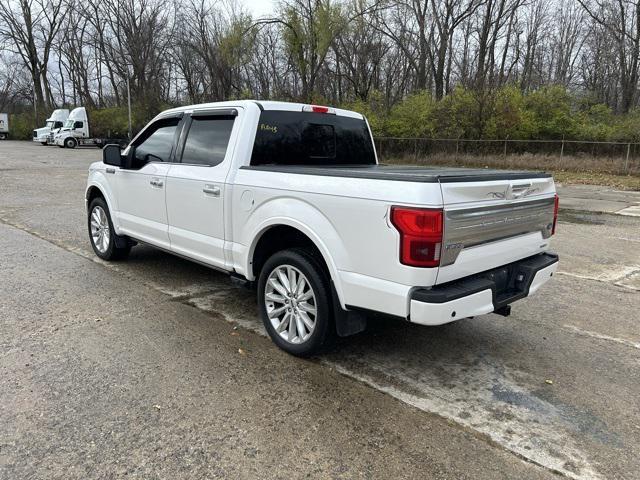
(111, 155)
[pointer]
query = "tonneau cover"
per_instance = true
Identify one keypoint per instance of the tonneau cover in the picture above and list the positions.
(425, 174)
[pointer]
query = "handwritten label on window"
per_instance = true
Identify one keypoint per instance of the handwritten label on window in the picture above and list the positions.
(269, 128)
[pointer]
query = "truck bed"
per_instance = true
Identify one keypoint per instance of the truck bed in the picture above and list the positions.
(423, 174)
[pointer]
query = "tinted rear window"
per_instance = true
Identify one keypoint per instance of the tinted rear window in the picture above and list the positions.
(207, 140)
(306, 138)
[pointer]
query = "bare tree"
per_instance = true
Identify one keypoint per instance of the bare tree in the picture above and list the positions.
(621, 19)
(30, 26)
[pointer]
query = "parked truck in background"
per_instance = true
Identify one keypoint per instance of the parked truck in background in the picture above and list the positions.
(53, 124)
(291, 198)
(76, 132)
(4, 126)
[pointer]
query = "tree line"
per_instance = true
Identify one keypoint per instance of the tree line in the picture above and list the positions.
(463, 68)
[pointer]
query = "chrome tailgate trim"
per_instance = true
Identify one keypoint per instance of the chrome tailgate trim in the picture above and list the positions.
(470, 227)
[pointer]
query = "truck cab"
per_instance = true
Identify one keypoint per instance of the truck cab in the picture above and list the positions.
(4, 126)
(75, 129)
(54, 123)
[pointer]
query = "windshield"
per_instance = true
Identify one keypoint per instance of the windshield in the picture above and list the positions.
(49, 124)
(309, 138)
(69, 123)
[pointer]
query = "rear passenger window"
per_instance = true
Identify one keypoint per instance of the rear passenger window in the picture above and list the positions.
(207, 140)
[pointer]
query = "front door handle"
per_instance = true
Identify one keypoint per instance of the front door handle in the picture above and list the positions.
(111, 170)
(156, 182)
(212, 190)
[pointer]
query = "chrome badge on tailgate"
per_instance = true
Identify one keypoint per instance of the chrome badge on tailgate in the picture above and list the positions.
(514, 192)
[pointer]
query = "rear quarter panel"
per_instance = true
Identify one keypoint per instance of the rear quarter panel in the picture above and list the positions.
(346, 218)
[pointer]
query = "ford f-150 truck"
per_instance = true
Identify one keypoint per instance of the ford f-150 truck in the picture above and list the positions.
(291, 198)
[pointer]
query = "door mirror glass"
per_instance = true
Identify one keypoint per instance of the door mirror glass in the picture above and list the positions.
(111, 155)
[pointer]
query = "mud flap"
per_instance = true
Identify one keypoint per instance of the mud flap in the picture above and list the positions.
(348, 322)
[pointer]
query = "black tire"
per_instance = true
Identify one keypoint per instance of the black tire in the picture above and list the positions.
(118, 247)
(43, 143)
(324, 331)
(70, 142)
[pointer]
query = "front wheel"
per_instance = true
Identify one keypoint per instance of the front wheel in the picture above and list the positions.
(294, 300)
(70, 142)
(106, 244)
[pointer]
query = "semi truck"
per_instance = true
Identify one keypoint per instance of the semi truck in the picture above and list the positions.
(52, 125)
(4, 126)
(76, 132)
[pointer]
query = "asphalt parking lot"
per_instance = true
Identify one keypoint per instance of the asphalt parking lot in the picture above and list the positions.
(158, 368)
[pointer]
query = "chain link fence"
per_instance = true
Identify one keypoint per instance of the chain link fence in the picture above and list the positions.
(575, 155)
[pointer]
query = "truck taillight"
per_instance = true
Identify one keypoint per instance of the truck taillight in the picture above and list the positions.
(420, 235)
(555, 214)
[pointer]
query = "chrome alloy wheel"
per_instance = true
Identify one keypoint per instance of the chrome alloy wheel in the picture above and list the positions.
(100, 231)
(290, 304)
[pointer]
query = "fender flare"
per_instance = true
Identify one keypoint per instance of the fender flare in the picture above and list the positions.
(315, 238)
(97, 181)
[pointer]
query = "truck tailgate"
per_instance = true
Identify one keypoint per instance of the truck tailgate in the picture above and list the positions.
(493, 222)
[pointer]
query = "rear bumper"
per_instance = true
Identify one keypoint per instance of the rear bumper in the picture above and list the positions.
(481, 293)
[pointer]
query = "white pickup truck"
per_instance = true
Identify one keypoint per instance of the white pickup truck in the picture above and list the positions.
(291, 197)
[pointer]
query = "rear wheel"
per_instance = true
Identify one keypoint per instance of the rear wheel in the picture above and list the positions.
(294, 301)
(70, 142)
(106, 244)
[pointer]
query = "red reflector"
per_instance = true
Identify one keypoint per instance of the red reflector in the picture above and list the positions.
(555, 214)
(319, 109)
(420, 235)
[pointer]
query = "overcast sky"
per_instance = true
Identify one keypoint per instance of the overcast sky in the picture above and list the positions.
(260, 8)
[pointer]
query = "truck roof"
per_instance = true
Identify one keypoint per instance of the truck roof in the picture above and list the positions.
(262, 104)
(60, 114)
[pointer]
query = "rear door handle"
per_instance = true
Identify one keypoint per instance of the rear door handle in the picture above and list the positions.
(156, 182)
(212, 190)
